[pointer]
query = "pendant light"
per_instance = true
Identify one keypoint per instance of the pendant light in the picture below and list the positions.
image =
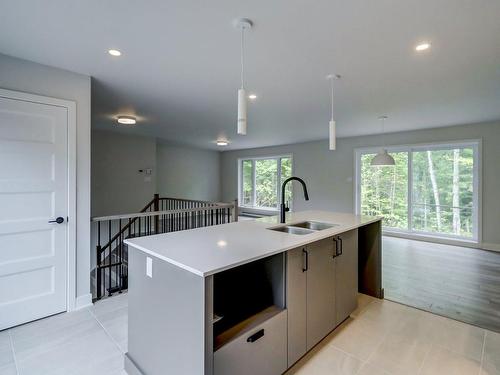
(242, 24)
(382, 158)
(332, 125)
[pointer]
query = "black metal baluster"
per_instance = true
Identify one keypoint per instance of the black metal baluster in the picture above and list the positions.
(119, 266)
(164, 226)
(109, 259)
(98, 269)
(169, 216)
(181, 217)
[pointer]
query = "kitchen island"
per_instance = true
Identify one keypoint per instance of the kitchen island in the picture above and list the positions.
(248, 297)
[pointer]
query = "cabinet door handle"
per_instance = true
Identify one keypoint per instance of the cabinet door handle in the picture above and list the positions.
(335, 253)
(305, 264)
(257, 335)
(341, 246)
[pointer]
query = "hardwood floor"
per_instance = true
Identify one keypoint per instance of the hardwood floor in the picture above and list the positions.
(456, 282)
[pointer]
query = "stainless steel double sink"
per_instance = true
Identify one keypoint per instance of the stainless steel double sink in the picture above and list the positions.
(305, 227)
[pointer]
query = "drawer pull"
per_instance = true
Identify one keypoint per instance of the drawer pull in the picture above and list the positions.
(257, 335)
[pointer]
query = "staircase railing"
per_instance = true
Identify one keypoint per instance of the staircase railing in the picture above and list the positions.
(160, 215)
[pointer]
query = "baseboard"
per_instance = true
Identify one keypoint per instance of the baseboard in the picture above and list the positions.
(490, 246)
(83, 301)
(444, 241)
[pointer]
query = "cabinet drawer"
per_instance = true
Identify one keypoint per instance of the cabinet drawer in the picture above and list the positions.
(260, 351)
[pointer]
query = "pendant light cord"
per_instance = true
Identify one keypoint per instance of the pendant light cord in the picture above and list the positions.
(242, 55)
(383, 130)
(332, 97)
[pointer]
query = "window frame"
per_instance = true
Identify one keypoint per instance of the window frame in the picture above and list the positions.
(475, 144)
(252, 208)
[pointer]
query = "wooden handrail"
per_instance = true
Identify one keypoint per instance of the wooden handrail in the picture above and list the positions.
(116, 236)
(164, 212)
(187, 200)
(135, 216)
(160, 215)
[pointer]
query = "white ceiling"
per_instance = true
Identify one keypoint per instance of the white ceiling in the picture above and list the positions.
(179, 72)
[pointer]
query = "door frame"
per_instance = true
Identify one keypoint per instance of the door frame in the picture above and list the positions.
(71, 153)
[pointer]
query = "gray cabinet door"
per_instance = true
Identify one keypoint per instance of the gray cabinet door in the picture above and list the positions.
(296, 304)
(346, 275)
(320, 290)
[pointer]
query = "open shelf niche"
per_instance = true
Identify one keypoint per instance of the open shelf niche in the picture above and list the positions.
(246, 296)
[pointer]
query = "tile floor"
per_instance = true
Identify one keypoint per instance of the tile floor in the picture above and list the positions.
(381, 337)
(88, 341)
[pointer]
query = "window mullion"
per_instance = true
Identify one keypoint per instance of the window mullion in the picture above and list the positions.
(254, 190)
(410, 190)
(278, 181)
(240, 183)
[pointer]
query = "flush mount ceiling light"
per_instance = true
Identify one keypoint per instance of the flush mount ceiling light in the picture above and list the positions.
(382, 158)
(242, 24)
(114, 52)
(332, 125)
(422, 46)
(252, 96)
(126, 120)
(222, 142)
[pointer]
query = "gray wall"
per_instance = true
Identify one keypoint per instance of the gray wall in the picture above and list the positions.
(185, 172)
(330, 174)
(26, 76)
(178, 172)
(117, 185)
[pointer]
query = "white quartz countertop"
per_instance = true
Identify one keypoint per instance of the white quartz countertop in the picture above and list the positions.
(209, 250)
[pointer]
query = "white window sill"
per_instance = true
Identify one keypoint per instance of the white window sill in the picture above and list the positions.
(431, 238)
(259, 211)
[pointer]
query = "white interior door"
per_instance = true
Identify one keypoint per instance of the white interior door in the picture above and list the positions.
(33, 191)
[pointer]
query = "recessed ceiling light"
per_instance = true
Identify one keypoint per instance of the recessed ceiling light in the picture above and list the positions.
(422, 46)
(222, 142)
(126, 120)
(114, 52)
(252, 96)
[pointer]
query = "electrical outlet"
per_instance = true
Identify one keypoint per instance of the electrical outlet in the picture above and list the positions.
(149, 267)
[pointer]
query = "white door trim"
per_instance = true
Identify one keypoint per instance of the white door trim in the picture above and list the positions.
(71, 226)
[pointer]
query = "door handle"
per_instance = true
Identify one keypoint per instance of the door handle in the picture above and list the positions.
(59, 220)
(257, 335)
(341, 245)
(335, 253)
(305, 255)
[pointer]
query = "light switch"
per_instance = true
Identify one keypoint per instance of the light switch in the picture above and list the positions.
(149, 267)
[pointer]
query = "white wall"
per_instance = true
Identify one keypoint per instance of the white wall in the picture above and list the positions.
(330, 174)
(185, 172)
(117, 185)
(26, 76)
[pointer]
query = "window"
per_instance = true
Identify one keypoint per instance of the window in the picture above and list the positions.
(260, 181)
(432, 190)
